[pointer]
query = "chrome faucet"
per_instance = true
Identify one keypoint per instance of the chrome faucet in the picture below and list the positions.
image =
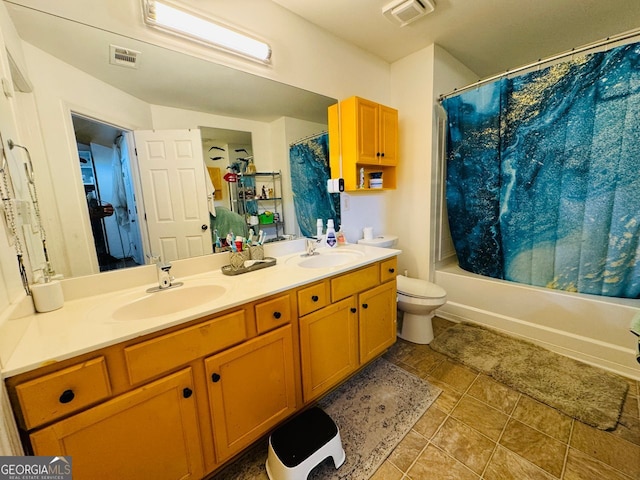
(165, 279)
(310, 247)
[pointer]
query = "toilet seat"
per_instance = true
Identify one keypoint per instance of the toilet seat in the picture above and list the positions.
(417, 288)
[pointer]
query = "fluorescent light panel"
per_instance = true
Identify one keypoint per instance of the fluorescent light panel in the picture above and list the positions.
(166, 17)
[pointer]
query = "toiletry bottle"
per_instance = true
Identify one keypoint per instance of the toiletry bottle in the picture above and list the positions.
(341, 238)
(332, 241)
(319, 227)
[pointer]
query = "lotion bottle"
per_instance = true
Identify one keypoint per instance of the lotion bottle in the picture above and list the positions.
(319, 227)
(332, 241)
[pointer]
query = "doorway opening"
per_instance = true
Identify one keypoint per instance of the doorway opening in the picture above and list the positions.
(109, 187)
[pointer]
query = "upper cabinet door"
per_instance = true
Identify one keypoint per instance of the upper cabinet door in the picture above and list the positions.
(367, 138)
(175, 199)
(388, 136)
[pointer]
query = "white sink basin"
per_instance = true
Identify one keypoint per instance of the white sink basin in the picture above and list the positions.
(326, 258)
(169, 301)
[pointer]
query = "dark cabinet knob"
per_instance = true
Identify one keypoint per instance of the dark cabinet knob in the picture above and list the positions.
(67, 396)
(382, 154)
(215, 378)
(204, 227)
(187, 392)
(391, 270)
(354, 310)
(365, 305)
(277, 315)
(377, 154)
(314, 298)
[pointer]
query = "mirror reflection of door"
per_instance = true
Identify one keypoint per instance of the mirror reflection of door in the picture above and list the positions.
(109, 189)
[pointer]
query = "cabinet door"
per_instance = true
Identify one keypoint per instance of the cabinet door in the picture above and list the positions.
(328, 347)
(367, 136)
(150, 432)
(251, 389)
(388, 136)
(377, 320)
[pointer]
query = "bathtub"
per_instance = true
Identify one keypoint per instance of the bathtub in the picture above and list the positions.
(589, 328)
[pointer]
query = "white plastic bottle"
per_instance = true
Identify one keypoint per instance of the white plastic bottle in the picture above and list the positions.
(332, 240)
(319, 227)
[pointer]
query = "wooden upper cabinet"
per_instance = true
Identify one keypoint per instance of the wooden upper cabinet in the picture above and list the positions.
(363, 135)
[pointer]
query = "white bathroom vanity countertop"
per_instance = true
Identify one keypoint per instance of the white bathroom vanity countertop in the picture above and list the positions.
(85, 322)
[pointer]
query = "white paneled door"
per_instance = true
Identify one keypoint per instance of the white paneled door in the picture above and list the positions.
(173, 185)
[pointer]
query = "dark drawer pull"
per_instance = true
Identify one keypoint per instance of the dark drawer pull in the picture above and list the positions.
(391, 270)
(215, 378)
(67, 396)
(315, 298)
(277, 315)
(365, 305)
(354, 310)
(187, 392)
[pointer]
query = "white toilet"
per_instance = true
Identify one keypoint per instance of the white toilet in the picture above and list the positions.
(417, 299)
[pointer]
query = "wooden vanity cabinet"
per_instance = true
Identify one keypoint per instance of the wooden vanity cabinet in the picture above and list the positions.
(363, 135)
(252, 387)
(359, 325)
(149, 432)
(328, 347)
(179, 403)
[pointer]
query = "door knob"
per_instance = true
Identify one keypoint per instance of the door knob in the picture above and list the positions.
(204, 227)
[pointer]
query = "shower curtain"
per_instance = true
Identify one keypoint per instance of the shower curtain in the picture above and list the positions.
(543, 175)
(309, 163)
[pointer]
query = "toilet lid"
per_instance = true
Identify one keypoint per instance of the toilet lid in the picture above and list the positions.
(415, 287)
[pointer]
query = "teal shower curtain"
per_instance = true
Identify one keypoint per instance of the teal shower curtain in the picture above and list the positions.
(309, 164)
(543, 175)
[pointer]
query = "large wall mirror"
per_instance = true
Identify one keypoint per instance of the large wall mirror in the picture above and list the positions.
(239, 115)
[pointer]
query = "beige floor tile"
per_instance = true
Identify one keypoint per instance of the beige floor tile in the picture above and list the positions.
(583, 467)
(494, 393)
(428, 362)
(400, 351)
(464, 444)
(407, 450)
(387, 471)
(430, 421)
(608, 448)
(537, 447)
(434, 464)
(474, 413)
(544, 418)
(454, 374)
(449, 397)
(506, 465)
(629, 423)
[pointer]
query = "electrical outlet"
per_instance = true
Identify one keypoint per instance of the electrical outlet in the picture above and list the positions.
(346, 202)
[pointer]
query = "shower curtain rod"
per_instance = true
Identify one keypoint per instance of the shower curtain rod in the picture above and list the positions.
(573, 51)
(308, 137)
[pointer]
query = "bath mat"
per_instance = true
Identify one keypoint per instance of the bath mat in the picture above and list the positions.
(586, 393)
(374, 410)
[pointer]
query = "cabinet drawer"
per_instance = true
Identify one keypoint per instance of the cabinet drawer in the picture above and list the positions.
(312, 298)
(52, 396)
(161, 354)
(273, 313)
(354, 282)
(388, 269)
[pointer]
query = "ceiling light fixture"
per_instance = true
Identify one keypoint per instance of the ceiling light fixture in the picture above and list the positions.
(168, 18)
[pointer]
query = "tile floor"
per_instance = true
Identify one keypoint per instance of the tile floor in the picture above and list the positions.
(481, 429)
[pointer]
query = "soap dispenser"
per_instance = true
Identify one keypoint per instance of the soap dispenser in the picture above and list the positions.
(332, 240)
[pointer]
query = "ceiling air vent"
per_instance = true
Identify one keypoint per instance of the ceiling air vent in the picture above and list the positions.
(403, 12)
(124, 57)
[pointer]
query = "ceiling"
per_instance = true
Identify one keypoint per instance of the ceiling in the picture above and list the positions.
(488, 36)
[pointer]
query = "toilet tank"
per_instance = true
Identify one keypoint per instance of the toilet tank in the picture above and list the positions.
(382, 241)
